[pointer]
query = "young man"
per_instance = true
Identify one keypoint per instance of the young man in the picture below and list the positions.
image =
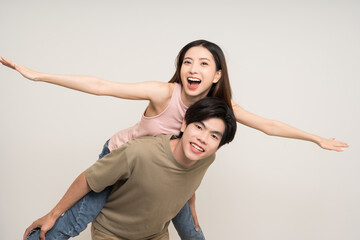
(152, 177)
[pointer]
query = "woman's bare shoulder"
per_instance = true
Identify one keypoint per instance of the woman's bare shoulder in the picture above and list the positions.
(160, 98)
(161, 91)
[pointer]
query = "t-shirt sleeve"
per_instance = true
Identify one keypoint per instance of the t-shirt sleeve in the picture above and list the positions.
(107, 171)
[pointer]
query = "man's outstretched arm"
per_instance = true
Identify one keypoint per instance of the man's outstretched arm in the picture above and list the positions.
(78, 189)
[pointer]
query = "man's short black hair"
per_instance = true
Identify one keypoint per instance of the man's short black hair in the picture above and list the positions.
(212, 107)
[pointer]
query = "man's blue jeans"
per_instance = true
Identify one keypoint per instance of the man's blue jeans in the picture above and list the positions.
(76, 219)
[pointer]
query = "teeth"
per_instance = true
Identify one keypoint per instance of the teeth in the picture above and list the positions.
(194, 79)
(197, 147)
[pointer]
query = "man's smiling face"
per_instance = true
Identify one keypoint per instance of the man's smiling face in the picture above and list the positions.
(199, 140)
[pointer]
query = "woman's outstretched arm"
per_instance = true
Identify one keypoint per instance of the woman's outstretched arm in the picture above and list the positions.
(153, 91)
(280, 129)
(77, 190)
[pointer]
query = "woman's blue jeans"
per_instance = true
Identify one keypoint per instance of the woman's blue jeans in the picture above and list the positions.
(76, 219)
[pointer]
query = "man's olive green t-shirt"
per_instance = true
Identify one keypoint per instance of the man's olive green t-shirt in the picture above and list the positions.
(150, 187)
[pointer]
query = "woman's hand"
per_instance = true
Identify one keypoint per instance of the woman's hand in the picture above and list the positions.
(332, 144)
(193, 212)
(45, 224)
(26, 72)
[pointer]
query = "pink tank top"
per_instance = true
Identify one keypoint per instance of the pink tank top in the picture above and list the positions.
(167, 122)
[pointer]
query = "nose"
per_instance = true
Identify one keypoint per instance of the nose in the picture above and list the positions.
(202, 136)
(193, 68)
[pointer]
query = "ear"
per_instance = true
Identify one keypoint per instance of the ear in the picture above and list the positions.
(217, 77)
(183, 126)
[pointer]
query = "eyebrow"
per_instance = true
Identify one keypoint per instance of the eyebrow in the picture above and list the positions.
(200, 58)
(215, 132)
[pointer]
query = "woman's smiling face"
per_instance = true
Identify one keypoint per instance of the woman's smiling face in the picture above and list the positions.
(198, 72)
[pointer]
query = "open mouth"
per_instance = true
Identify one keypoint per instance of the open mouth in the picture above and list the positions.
(197, 147)
(193, 83)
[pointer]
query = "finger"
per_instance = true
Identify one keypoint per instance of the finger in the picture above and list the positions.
(27, 231)
(3, 61)
(197, 228)
(42, 234)
(339, 145)
(342, 144)
(26, 234)
(7, 62)
(335, 145)
(337, 149)
(196, 222)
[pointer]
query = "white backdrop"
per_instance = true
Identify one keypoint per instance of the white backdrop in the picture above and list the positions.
(294, 61)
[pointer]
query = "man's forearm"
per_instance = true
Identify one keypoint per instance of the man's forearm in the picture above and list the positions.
(78, 189)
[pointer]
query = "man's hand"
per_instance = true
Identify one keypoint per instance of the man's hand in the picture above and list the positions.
(45, 224)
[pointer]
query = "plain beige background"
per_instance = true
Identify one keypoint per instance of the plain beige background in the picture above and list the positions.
(294, 61)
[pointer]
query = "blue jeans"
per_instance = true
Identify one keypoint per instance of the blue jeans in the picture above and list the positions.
(76, 219)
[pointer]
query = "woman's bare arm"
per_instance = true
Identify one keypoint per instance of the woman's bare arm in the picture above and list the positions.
(277, 128)
(153, 91)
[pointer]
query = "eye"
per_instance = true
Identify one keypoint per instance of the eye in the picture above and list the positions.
(214, 136)
(204, 63)
(198, 126)
(186, 62)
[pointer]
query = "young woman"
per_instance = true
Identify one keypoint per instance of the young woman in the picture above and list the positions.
(201, 71)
